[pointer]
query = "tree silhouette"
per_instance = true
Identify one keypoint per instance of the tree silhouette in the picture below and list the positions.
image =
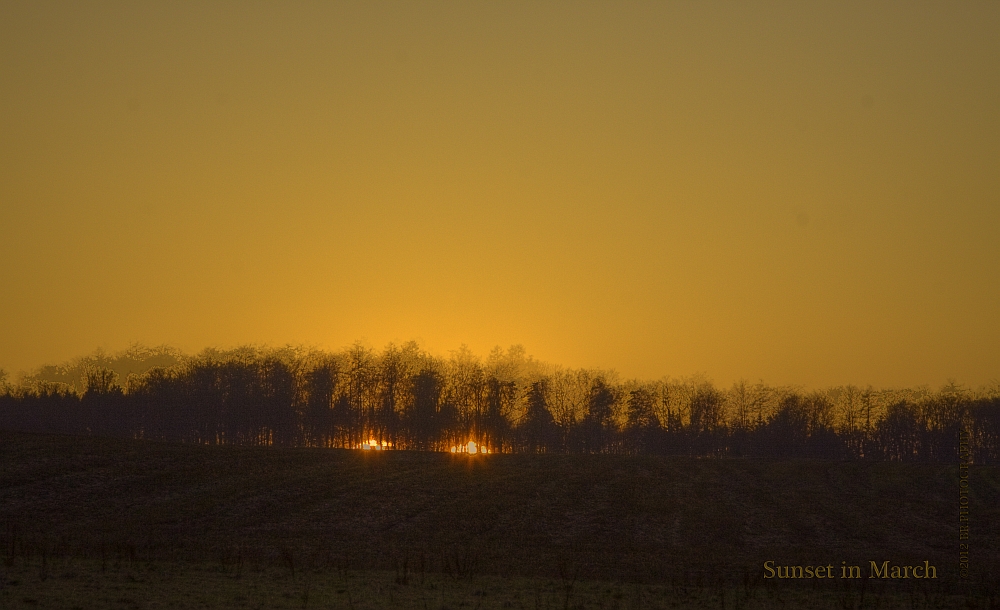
(423, 415)
(319, 421)
(899, 433)
(598, 424)
(289, 397)
(496, 426)
(643, 431)
(538, 429)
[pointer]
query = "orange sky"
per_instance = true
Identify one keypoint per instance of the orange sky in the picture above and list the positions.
(801, 193)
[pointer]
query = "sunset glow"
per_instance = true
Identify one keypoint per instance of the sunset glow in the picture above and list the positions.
(803, 194)
(684, 290)
(471, 448)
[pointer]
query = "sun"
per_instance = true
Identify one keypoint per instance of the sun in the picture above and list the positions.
(471, 448)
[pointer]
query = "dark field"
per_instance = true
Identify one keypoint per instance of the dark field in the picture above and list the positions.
(524, 531)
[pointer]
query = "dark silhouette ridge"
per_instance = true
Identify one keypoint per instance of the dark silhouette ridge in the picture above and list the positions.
(405, 398)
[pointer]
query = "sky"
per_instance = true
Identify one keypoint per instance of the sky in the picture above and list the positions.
(799, 193)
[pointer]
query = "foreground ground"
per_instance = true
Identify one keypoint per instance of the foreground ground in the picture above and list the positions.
(76, 584)
(176, 524)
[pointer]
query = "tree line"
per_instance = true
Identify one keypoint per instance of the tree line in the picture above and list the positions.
(405, 398)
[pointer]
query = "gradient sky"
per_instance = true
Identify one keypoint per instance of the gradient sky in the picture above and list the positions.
(803, 193)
